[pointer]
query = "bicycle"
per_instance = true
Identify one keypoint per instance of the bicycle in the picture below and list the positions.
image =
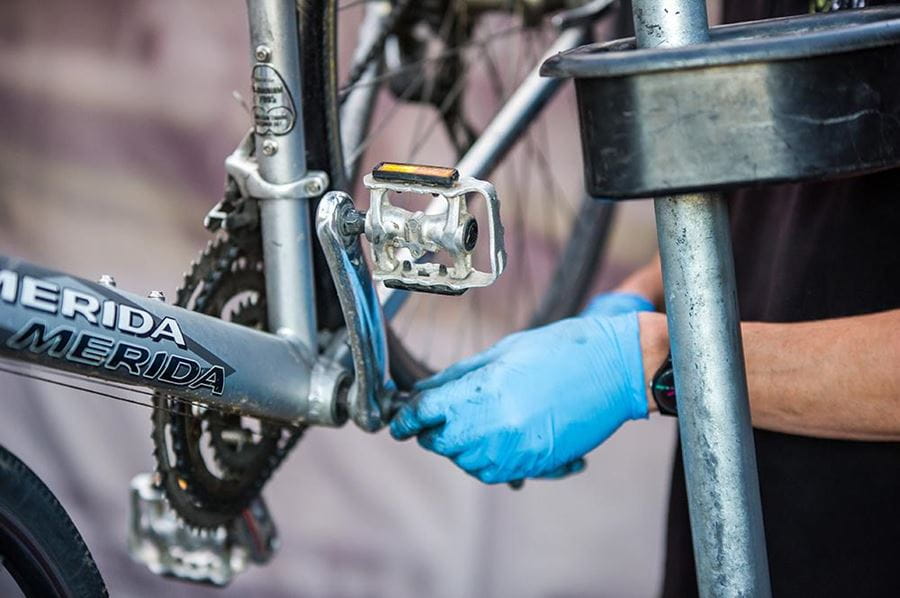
(252, 393)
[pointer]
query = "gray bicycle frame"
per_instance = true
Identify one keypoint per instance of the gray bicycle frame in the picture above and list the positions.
(62, 322)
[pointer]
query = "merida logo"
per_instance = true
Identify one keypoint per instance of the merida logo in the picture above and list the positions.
(45, 296)
(87, 348)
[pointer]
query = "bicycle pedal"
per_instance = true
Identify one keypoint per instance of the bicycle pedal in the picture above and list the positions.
(167, 546)
(406, 244)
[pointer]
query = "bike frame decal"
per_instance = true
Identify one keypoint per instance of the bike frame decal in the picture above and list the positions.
(274, 112)
(66, 323)
(93, 348)
(46, 296)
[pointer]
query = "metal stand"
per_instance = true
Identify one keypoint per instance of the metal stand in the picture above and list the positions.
(704, 332)
(696, 110)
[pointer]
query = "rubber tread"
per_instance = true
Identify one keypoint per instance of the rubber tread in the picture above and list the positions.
(39, 543)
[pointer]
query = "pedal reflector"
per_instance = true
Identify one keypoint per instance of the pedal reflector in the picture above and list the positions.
(415, 173)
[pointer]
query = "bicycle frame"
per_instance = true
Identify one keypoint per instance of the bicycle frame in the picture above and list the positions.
(62, 322)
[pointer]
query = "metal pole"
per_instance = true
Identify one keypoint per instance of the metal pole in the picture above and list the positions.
(281, 154)
(705, 337)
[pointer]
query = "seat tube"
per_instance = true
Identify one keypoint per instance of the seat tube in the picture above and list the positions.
(280, 151)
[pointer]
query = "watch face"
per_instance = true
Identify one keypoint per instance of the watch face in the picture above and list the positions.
(663, 389)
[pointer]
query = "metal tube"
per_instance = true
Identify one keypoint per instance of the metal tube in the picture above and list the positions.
(66, 323)
(281, 154)
(713, 407)
(669, 23)
(704, 332)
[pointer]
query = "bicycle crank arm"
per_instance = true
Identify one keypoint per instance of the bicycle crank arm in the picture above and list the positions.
(368, 401)
(66, 323)
(405, 246)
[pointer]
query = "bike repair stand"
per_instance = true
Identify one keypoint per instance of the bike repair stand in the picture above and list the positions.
(691, 111)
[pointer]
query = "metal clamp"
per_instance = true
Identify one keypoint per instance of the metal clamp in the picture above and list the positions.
(244, 169)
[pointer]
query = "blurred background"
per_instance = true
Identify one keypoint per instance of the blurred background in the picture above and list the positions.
(115, 118)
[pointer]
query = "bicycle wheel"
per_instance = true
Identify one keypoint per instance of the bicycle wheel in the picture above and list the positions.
(202, 457)
(39, 545)
(441, 74)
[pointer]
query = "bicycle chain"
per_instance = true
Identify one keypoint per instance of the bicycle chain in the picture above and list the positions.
(200, 497)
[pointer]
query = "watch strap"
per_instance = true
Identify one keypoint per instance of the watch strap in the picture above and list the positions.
(662, 387)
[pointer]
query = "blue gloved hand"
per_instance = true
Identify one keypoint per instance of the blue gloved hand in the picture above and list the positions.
(536, 402)
(615, 303)
(612, 303)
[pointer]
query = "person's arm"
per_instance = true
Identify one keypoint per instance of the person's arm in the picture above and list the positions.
(537, 401)
(837, 378)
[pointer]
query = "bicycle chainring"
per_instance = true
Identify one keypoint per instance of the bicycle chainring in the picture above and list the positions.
(213, 464)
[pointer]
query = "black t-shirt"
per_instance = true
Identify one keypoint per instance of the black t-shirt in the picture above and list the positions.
(831, 508)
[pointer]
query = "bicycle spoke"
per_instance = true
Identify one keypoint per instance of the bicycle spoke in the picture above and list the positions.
(492, 39)
(446, 25)
(392, 111)
(438, 330)
(452, 96)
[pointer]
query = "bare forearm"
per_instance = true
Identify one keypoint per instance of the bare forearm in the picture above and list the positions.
(834, 378)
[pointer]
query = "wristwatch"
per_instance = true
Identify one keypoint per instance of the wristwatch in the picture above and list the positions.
(663, 388)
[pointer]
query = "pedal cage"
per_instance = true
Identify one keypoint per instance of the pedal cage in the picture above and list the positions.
(404, 242)
(162, 542)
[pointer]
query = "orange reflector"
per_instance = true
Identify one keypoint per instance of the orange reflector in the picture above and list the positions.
(415, 173)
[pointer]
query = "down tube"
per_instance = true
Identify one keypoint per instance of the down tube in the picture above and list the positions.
(62, 322)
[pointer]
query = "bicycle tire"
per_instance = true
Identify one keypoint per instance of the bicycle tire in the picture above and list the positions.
(39, 544)
(575, 269)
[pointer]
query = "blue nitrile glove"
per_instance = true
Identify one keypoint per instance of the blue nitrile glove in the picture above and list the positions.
(533, 404)
(612, 303)
(615, 303)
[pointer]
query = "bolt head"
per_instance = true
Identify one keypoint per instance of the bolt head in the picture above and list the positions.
(157, 296)
(269, 147)
(107, 280)
(314, 187)
(263, 53)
